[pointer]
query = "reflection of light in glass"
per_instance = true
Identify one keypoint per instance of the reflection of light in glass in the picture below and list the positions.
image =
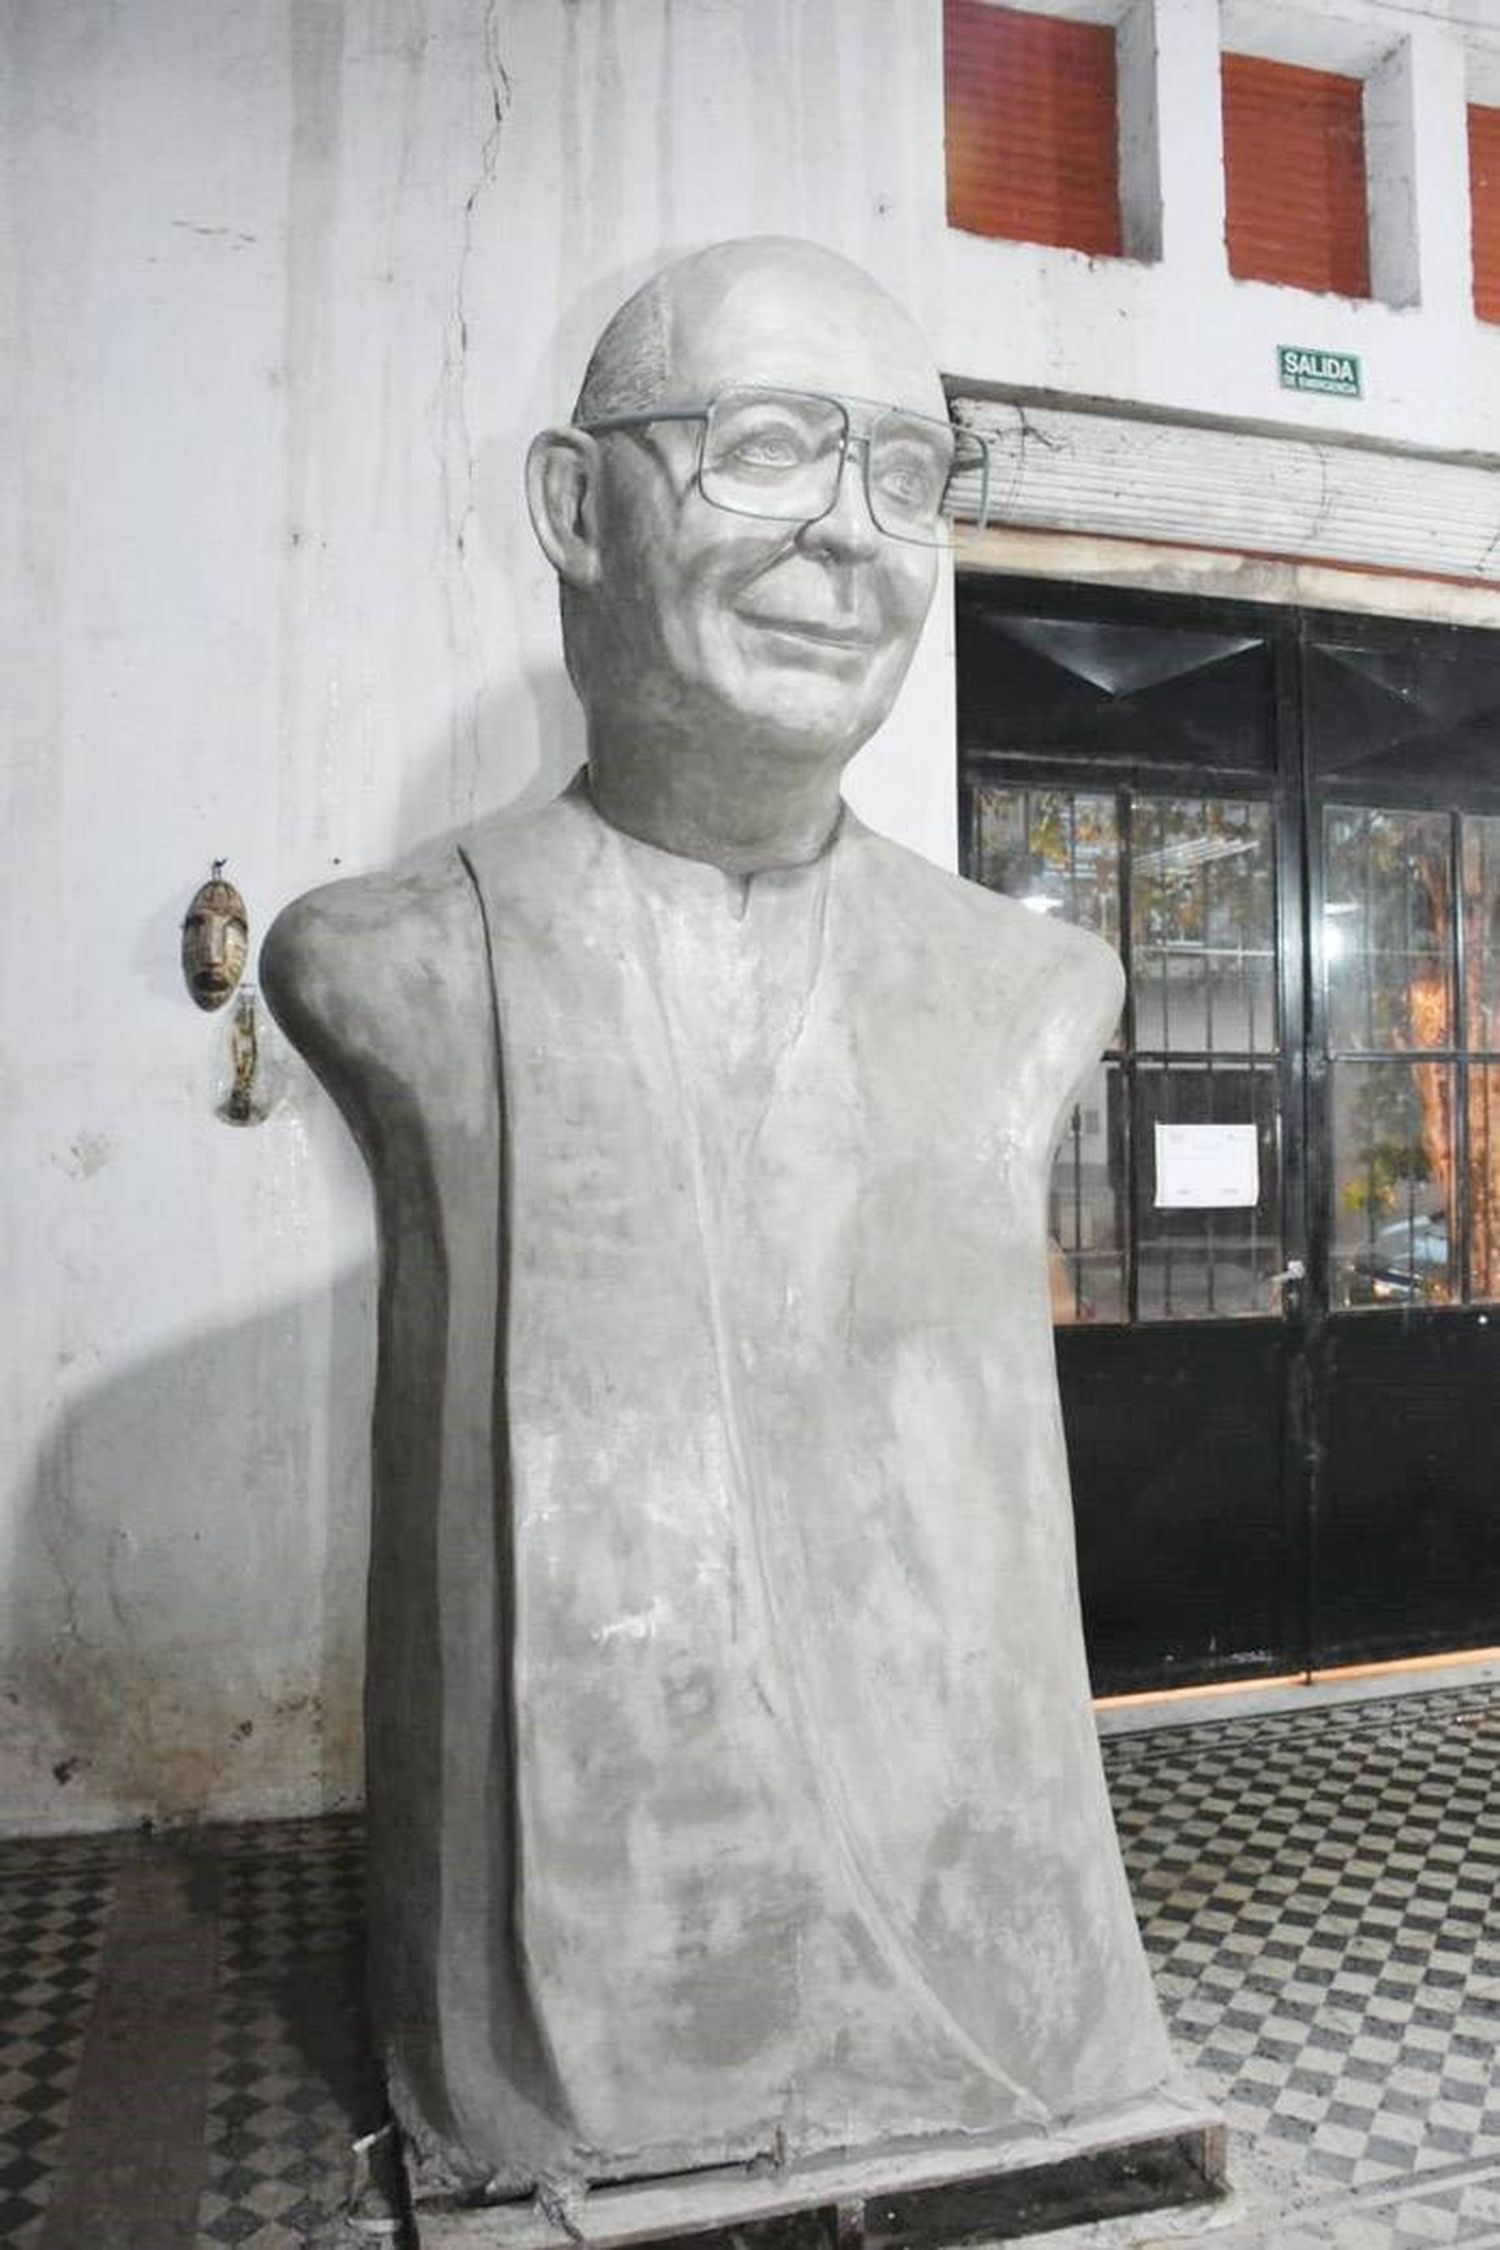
(1193, 851)
(1032, 881)
(1335, 941)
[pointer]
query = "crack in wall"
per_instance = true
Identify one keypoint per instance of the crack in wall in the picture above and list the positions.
(455, 447)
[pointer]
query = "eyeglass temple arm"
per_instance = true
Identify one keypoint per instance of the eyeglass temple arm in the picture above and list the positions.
(982, 515)
(986, 463)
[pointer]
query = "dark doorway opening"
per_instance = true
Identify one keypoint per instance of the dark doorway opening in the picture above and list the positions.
(1276, 1210)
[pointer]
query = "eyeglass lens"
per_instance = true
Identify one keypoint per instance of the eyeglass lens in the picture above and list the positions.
(779, 454)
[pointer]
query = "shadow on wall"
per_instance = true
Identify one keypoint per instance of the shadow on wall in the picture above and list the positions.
(188, 1582)
(189, 1578)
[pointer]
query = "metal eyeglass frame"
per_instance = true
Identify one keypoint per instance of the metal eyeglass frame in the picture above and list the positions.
(703, 413)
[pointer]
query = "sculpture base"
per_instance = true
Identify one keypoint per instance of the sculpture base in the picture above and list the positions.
(1142, 2156)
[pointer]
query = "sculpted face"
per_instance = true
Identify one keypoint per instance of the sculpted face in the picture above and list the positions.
(788, 640)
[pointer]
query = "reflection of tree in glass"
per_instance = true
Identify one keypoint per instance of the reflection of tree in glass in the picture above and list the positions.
(1389, 988)
(1203, 924)
(1484, 1183)
(1200, 872)
(1389, 925)
(1387, 1131)
(1397, 866)
(1054, 849)
(1481, 910)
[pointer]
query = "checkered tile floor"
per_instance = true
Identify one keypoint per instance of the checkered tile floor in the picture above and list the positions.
(290, 2081)
(54, 1899)
(1318, 1899)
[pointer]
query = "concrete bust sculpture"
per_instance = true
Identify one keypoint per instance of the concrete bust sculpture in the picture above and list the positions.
(734, 1796)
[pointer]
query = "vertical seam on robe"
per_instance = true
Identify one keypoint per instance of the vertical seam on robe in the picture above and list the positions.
(529, 2032)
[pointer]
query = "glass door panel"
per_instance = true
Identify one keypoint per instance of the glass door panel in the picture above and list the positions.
(1392, 1160)
(1482, 1180)
(1480, 860)
(1055, 850)
(1197, 1047)
(1208, 1263)
(1202, 926)
(1387, 929)
(1414, 1143)
(1398, 734)
(1481, 878)
(1086, 1217)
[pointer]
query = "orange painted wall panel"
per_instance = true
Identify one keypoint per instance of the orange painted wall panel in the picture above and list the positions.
(1484, 191)
(1294, 176)
(1033, 149)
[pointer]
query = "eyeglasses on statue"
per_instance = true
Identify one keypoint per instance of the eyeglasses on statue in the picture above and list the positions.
(780, 455)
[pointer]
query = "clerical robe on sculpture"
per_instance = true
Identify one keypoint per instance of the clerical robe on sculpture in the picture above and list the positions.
(733, 1786)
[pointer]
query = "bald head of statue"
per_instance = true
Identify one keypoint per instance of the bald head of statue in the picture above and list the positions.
(739, 516)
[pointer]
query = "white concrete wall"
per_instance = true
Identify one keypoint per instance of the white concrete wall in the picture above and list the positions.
(291, 284)
(1180, 333)
(288, 284)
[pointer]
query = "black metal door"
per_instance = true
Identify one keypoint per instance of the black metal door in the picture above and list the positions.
(1281, 1452)
(1402, 732)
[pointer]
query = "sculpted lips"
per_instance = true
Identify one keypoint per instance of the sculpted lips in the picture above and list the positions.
(828, 632)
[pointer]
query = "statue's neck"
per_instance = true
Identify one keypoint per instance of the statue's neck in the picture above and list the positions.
(745, 827)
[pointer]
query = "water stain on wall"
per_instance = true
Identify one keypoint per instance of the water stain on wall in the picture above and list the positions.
(87, 1154)
(176, 1674)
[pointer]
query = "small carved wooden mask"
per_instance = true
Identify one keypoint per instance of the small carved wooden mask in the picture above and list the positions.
(215, 941)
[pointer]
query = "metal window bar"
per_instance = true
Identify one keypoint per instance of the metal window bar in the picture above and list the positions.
(1164, 982)
(1477, 974)
(1225, 968)
(1182, 1268)
(1367, 965)
(1367, 924)
(1244, 975)
(1211, 1226)
(1461, 1195)
(1408, 947)
(1458, 1056)
(1205, 909)
(1076, 1253)
(1072, 861)
(1125, 847)
(1255, 1244)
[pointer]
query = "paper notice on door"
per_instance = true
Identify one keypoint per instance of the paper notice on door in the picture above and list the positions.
(1207, 1168)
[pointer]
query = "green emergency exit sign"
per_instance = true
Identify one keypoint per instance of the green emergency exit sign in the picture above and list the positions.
(1335, 373)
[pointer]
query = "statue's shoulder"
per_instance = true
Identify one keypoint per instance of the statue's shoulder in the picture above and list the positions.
(984, 936)
(374, 964)
(344, 967)
(530, 860)
(1000, 978)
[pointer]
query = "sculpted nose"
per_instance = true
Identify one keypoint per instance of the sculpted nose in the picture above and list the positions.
(848, 529)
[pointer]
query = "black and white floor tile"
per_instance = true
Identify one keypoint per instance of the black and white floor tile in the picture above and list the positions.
(1317, 1894)
(54, 1902)
(290, 2081)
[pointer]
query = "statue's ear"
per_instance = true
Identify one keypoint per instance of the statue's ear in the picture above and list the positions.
(562, 470)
